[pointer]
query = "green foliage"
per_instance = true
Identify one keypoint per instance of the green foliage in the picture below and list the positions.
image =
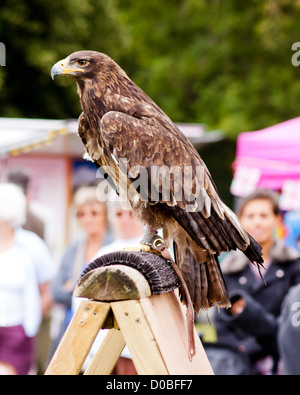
(39, 33)
(226, 63)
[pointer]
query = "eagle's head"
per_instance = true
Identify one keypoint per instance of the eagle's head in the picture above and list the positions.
(83, 65)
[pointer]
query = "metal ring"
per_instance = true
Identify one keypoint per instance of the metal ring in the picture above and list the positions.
(158, 242)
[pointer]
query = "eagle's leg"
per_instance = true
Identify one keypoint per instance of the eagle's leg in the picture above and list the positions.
(152, 239)
(149, 236)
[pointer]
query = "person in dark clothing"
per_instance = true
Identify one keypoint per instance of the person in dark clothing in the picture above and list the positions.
(248, 325)
(273, 332)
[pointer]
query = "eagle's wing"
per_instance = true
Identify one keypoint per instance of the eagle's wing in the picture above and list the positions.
(190, 194)
(94, 151)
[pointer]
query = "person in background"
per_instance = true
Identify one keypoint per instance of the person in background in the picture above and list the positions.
(45, 271)
(20, 303)
(32, 234)
(253, 300)
(44, 262)
(91, 214)
(33, 223)
(128, 232)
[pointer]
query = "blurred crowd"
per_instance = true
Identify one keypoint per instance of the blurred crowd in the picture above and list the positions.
(258, 335)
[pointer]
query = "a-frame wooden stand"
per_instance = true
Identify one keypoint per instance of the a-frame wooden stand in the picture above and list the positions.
(153, 327)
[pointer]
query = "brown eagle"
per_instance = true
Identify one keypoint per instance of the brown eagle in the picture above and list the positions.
(128, 135)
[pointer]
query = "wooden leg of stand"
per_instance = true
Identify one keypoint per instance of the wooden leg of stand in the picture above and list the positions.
(78, 338)
(139, 338)
(108, 354)
(168, 324)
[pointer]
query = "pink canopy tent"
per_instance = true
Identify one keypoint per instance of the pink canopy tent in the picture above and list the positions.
(268, 158)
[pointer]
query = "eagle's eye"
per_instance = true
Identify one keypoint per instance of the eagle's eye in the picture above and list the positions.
(82, 62)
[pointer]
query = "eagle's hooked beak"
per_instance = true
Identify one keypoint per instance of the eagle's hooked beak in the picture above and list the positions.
(62, 68)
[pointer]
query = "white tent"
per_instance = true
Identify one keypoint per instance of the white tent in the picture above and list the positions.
(19, 135)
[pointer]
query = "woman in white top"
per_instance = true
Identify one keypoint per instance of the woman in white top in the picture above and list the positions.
(20, 309)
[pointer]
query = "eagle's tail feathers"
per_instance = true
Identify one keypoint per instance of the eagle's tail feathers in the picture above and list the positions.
(215, 235)
(254, 252)
(216, 285)
(204, 280)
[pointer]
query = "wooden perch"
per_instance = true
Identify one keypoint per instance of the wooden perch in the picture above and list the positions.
(125, 275)
(116, 282)
(132, 294)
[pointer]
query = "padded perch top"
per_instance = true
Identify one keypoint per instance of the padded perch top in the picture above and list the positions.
(124, 275)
